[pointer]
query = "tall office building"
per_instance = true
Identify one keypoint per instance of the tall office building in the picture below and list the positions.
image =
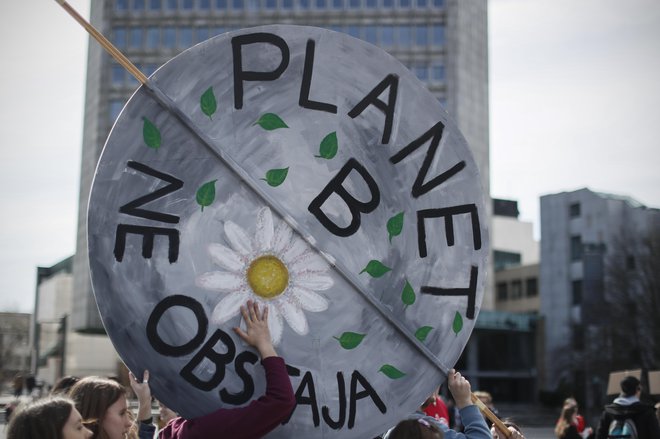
(444, 42)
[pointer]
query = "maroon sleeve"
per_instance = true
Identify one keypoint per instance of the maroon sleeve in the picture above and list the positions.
(249, 422)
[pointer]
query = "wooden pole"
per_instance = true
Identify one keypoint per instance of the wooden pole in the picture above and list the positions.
(103, 41)
(491, 416)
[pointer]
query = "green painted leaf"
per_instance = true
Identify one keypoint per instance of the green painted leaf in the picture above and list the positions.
(395, 225)
(276, 177)
(208, 103)
(350, 340)
(458, 323)
(329, 146)
(150, 134)
(206, 194)
(408, 294)
(422, 333)
(376, 268)
(391, 371)
(270, 122)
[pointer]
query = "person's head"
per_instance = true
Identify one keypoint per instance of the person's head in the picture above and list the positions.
(485, 397)
(102, 404)
(64, 385)
(570, 401)
(508, 424)
(630, 386)
(50, 418)
(566, 418)
(415, 429)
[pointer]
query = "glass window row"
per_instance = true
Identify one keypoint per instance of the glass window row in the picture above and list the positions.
(427, 72)
(182, 37)
(223, 5)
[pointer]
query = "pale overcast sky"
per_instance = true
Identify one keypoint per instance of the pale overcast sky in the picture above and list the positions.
(574, 96)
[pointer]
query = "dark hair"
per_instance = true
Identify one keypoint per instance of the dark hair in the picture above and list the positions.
(629, 385)
(415, 429)
(64, 385)
(43, 419)
(93, 396)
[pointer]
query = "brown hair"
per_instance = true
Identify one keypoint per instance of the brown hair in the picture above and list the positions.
(43, 419)
(415, 429)
(93, 396)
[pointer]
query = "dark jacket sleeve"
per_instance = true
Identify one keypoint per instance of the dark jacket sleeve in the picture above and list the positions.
(252, 421)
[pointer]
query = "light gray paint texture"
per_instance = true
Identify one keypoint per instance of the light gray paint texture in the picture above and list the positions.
(213, 173)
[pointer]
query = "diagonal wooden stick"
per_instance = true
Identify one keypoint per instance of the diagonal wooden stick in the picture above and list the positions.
(491, 416)
(103, 41)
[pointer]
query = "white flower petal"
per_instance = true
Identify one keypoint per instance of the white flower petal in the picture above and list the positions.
(239, 240)
(221, 281)
(226, 257)
(309, 300)
(228, 307)
(308, 261)
(275, 324)
(282, 237)
(264, 232)
(294, 316)
(313, 281)
(297, 248)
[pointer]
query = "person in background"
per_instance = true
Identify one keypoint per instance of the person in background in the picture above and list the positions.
(64, 385)
(566, 427)
(435, 407)
(49, 418)
(628, 406)
(579, 419)
(418, 425)
(165, 415)
(487, 399)
(103, 405)
(516, 432)
(254, 420)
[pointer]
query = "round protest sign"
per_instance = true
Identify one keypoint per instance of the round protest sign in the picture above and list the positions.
(310, 172)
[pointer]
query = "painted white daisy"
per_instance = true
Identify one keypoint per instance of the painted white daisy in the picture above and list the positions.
(275, 267)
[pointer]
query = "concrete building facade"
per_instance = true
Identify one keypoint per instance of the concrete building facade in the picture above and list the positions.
(581, 231)
(444, 42)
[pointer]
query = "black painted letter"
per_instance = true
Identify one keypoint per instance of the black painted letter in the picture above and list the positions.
(391, 81)
(355, 206)
(220, 360)
(434, 134)
(367, 392)
(306, 84)
(240, 75)
(165, 348)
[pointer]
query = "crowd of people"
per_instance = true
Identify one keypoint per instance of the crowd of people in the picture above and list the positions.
(97, 408)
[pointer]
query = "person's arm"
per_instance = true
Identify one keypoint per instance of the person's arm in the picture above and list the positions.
(473, 422)
(264, 414)
(143, 393)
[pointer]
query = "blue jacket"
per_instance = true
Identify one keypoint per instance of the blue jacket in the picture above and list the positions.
(473, 421)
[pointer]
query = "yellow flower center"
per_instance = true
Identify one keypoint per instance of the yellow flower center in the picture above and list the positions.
(267, 276)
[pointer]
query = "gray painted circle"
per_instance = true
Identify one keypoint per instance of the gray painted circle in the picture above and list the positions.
(175, 227)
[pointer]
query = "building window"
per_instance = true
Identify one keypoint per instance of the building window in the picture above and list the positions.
(172, 5)
(337, 4)
(320, 4)
(574, 210)
(576, 248)
(578, 337)
(138, 5)
(576, 292)
(154, 5)
(185, 37)
(438, 72)
(121, 5)
(389, 4)
(169, 37)
(502, 291)
(188, 5)
(221, 4)
(422, 3)
(532, 287)
(421, 72)
(136, 38)
(405, 36)
(438, 3)
(438, 36)
(516, 289)
(119, 37)
(153, 37)
(117, 75)
(404, 3)
(421, 36)
(204, 5)
(503, 260)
